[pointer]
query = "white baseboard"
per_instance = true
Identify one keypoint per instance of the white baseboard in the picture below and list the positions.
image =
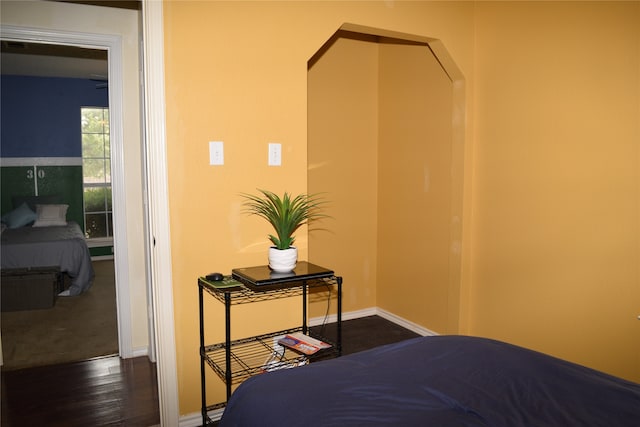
(102, 258)
(405, 323)
(140, 351)
(374, 311)
(332, 318)
(195, 419)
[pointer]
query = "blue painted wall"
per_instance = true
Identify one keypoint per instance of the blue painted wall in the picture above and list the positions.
(40, 116)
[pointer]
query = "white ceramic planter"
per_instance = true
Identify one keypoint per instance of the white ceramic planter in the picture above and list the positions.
(283, 260)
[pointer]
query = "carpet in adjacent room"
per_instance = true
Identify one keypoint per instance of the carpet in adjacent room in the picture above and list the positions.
(76, 328)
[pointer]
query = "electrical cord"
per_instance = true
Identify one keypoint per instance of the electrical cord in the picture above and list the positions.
(326, 314)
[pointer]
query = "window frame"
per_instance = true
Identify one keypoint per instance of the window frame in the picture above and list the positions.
(107, 184)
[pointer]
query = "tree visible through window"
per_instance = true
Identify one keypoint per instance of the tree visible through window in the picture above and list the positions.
(96, 172)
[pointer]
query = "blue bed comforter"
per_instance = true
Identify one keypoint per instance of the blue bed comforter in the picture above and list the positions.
(437, 381)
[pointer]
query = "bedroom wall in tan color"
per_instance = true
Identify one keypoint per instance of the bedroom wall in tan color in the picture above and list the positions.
(415, 187)
(551, 236)
(556, 181)
(551, 181)
(237, 72)
(343, 92)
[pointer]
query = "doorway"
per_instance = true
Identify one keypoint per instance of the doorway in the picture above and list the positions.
(113, 46)
(51, 83)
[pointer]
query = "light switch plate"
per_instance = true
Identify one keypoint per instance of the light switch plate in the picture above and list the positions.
(275, 154)
(216, 153)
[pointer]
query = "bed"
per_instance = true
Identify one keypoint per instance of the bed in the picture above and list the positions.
(437, 381)
(46, 239)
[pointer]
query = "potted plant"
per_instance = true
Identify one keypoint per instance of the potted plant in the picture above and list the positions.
(285, 214)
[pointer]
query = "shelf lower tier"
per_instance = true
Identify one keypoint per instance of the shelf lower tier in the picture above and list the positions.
(207, 421)
(256, 355)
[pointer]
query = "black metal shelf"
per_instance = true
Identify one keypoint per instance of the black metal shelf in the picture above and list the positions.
(234, 361)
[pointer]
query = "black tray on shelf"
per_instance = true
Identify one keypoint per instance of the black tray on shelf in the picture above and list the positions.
(227, 284)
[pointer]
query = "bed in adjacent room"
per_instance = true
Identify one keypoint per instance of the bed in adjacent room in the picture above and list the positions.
(437, 381)
(45, 238)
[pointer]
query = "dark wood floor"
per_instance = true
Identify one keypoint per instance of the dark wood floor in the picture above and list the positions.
(113, 392)
(367, 332)
(106, 391)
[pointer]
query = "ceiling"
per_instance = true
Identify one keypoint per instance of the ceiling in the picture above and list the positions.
(49, 60)
(123, 4)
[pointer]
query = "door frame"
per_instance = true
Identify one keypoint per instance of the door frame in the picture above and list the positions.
(159, 221)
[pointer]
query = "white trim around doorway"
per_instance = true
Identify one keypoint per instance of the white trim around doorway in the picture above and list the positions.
(160, 244)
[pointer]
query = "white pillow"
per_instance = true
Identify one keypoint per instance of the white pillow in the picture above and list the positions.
(50, 215)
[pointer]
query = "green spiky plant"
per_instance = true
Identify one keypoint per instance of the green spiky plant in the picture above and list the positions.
(286, 214)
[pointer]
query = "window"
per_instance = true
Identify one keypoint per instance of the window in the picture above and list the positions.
(96, 173)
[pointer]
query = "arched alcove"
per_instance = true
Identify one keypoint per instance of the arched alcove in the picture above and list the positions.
(385, 144)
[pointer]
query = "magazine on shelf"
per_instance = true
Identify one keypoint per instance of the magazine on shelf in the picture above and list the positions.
(303, 343)
(277, 361)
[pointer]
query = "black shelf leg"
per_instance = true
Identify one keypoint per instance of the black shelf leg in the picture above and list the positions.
(339, 338)
(203, 388)
(227, 333)
(304, 307)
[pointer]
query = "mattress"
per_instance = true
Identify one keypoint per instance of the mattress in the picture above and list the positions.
(437, 381)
